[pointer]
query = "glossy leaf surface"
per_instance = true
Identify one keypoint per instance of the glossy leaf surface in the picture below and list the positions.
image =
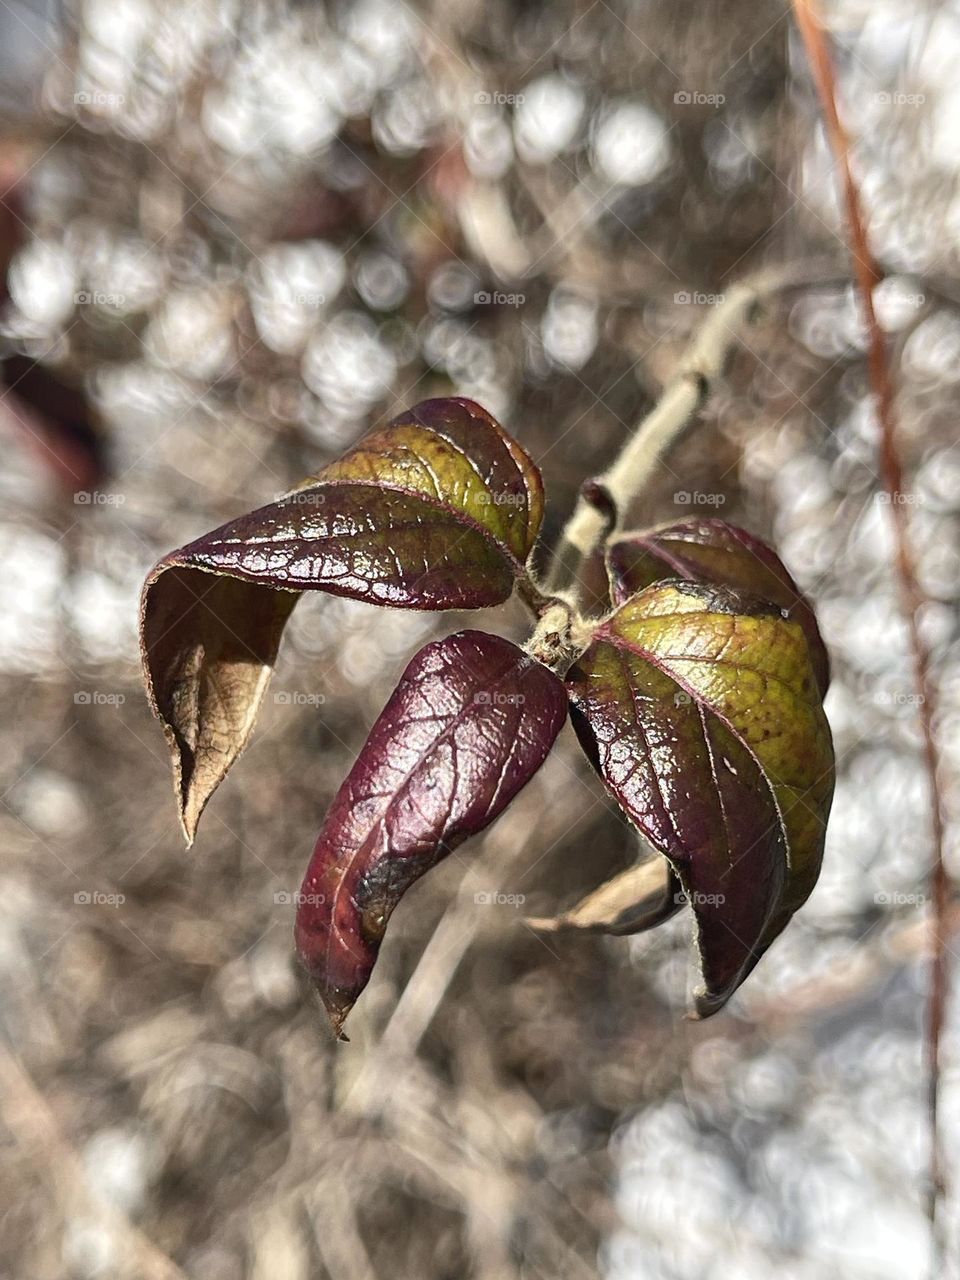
(699, 708)
(713, 551)
(470, 722)
(438, 510)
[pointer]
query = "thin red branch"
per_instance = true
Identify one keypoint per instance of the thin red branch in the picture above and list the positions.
(868, 275)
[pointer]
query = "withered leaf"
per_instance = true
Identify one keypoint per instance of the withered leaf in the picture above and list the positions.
(633, 901)
(470, 722)
(699, 708)
(713, 551)
(438, 510)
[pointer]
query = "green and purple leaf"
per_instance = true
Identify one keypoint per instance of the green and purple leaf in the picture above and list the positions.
(699, 707)
(713, 551)
(470, 722)
(438, 510)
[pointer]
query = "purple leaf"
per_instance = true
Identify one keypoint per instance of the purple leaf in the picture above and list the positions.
(470, 722)
(713, 551)
(699, 708)
(438, 510)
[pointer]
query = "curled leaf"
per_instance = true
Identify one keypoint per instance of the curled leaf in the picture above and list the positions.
(470, 722)
(209, 646)
(637, 899)
(716, 552)
(438, 510)
(699, 708)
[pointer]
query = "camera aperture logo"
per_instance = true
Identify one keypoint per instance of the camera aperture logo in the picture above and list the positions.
(898, 698)
(496, 99)
(305, 498)
(684, 899)
(896, 899)
(488, 699)
(900, 499)
(501, 499)
(94, 698)
(694, 98)
(688, 298)
(482, 298)
(897, 98)
(695, 498)
(297, 698)
(94, 498)
(97, 298)
(94, 898)
(98, 98)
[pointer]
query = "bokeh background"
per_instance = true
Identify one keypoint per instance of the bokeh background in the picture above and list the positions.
(235, 234)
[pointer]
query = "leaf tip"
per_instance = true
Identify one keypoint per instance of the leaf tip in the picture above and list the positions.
(706, 1004)
(336, 1007)
(338, 1016)
(189, 821)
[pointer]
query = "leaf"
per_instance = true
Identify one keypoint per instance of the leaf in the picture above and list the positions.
(716, 552)
(438, 510)
(699, 708)
(209, 645)
(470, 722)
(637, 899)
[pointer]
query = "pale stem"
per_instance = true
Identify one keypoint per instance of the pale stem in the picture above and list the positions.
(561, 632)
(683, 397)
